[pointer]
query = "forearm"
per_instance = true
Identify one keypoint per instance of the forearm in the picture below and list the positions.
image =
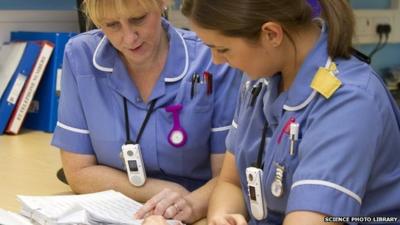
(199, 199)
(99, 178)
(201, 222)
(227, 198)
(305, 218)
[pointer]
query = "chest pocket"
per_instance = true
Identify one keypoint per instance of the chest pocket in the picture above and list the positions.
(195, 96)
(192, 159)
(282, 159)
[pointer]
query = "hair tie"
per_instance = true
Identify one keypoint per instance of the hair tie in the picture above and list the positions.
(316, 8)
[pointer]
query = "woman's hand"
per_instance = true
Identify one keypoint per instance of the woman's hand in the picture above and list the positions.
(228, 219)
(169, 204)
(154, 220)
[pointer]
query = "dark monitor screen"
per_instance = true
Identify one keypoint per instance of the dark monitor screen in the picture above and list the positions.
(133, 165)
(252, 191)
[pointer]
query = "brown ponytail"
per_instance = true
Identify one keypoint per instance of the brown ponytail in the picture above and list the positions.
(340, 19)
(244, 18)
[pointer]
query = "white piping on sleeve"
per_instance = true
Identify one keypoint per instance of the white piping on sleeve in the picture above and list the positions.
(328, 184)
(219, 129)
(73, 129)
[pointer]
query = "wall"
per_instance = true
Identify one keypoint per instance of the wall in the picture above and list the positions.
(37, 4)
(370, 4)
(390, 55)
(387, 57)
(37, 15)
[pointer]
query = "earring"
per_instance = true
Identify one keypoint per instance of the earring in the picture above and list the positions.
(164, 12)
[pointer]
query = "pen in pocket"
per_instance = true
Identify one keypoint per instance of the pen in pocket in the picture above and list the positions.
(195, 80)
(208, 78)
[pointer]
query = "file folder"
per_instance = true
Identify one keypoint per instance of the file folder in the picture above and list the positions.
(14, 88)
(42, 114)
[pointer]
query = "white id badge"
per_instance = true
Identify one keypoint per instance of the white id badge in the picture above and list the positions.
(132, 157)
(258, 205)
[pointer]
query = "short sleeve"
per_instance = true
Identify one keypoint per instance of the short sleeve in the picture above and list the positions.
(231, 141)
(336, 153)
(71, 132)
(226, 91)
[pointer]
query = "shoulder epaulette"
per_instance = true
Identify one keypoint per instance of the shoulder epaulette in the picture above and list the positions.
(325, 82)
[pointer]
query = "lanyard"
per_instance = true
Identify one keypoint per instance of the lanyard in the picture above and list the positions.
(262, 146)
(255, 92)
(146, 119)
(254, 177)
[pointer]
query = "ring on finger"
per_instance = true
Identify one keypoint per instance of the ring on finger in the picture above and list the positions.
(177, 208)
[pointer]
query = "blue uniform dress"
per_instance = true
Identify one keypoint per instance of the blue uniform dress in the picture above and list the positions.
(347, 158)
(91, 112)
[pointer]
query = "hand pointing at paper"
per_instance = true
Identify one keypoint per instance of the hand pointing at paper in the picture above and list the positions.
(170, 205)
(154, 220)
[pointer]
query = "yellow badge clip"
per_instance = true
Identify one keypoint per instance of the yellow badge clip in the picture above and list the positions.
(325, 82)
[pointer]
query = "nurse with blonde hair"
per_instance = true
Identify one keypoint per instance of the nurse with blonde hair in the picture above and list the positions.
(137, 81)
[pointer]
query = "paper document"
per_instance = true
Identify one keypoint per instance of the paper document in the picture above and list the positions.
(10, 218)
(108, 207)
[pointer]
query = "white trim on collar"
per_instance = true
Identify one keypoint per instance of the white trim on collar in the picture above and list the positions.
(168, 79)
(234, 124)
(314, 92)
(185, 70)
(101, 68)
(264, 81)
(302, 105)
(310, 97)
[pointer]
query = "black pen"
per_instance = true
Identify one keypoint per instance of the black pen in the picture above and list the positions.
(194, 81)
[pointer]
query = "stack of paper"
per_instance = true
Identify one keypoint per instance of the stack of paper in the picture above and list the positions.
(10, 218)
(108, 207)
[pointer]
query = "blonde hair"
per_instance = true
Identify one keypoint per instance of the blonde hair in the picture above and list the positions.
(97, 10)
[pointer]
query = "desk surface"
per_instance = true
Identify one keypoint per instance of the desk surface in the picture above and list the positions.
(28, 166)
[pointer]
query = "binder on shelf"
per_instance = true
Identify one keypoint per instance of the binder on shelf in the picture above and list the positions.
(29, 89)
(42, 114)
(10, 56)
(15, 85)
